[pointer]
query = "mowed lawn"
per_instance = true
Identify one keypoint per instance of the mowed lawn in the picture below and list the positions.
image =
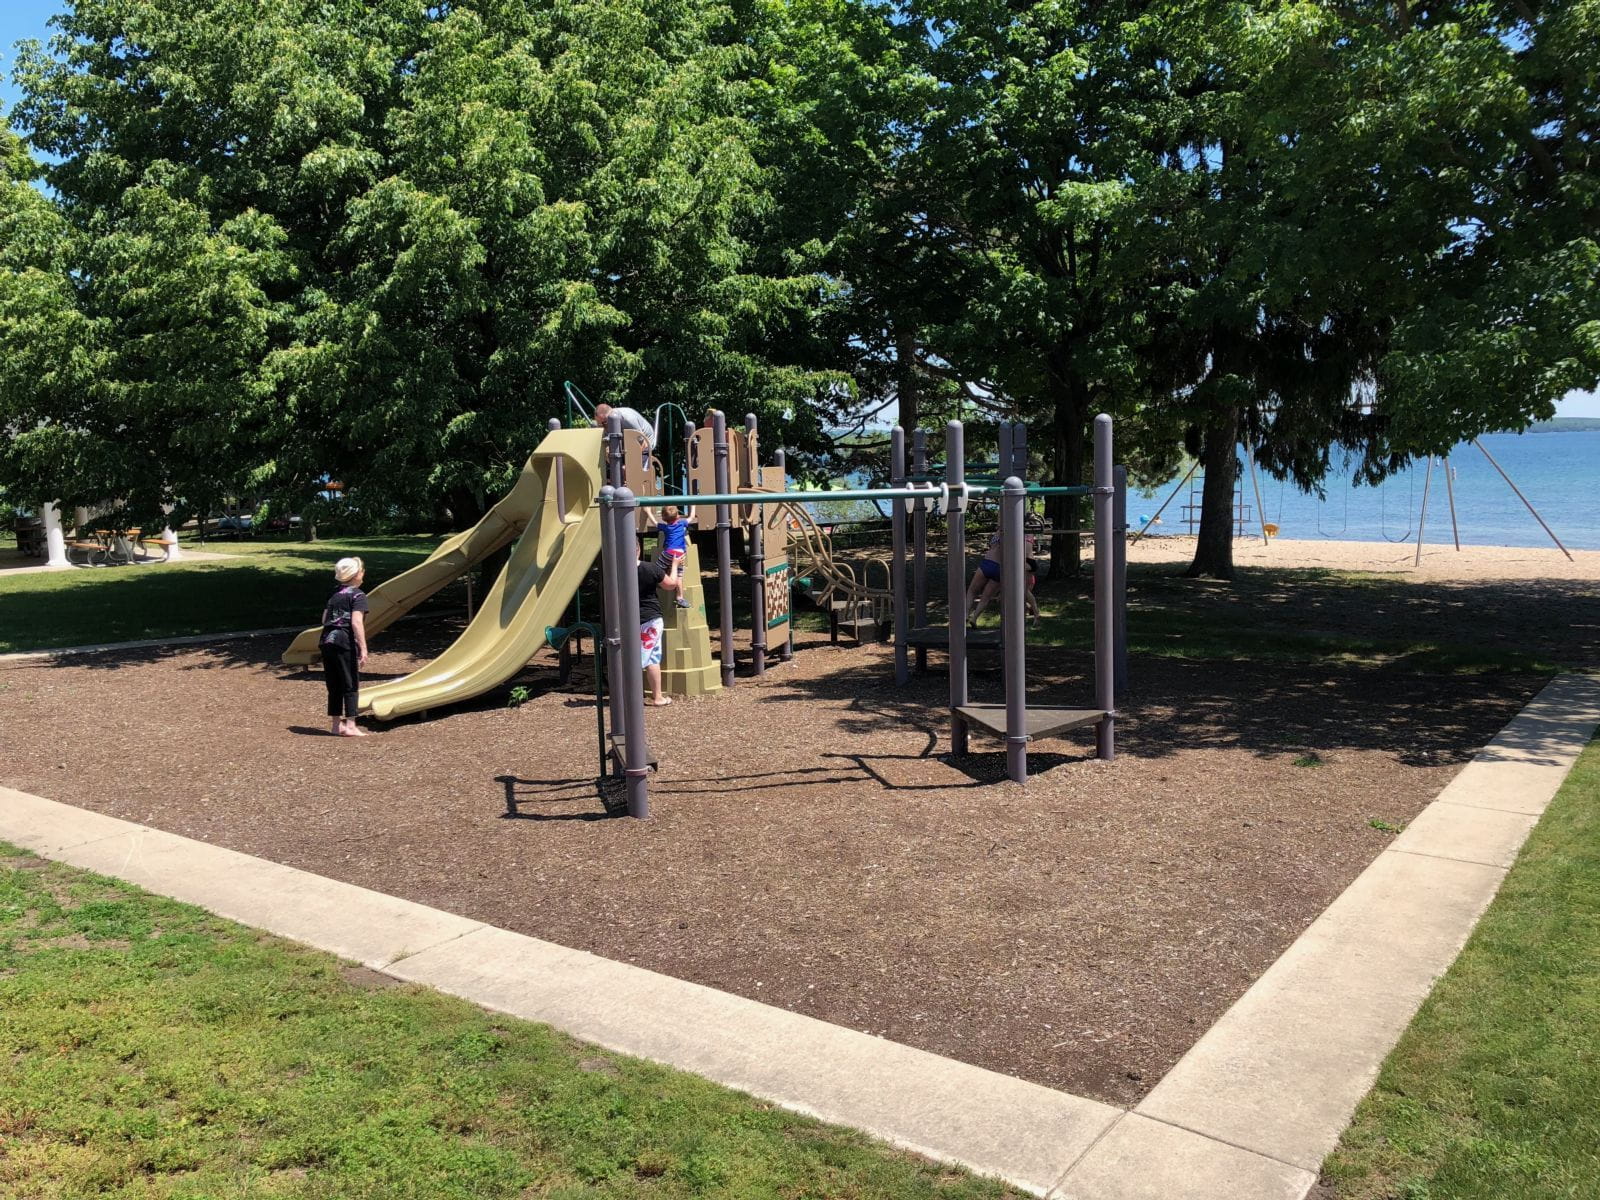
(1494, 1091)
(261, 585)
(154, 1051)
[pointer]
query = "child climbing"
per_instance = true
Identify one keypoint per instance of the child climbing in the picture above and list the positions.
(673, 532)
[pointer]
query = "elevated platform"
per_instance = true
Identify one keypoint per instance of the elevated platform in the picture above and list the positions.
(1044, 720)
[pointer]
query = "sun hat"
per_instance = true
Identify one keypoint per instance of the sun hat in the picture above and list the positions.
(346, 569)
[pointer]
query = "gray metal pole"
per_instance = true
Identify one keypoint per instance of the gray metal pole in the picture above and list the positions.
(1013, 620)
(1524, 499)
(1019, 449)
(1002, 454)
(1119, 521)
(897, 565)
(1105, 621)
(613, 448)
(1422, 521)
(1187, 475)
(613, 441)
(955, 582)
(688, 436)
(786, 651)
(1450, 494)
(758, 576)
(919, 545)
(1261, 509)
(631, 683)
(612, 633)
(719, 442)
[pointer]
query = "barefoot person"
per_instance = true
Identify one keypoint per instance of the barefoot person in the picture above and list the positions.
(651, 622)
(344, 646)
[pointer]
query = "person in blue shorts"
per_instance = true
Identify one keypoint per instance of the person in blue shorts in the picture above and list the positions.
(985, 583)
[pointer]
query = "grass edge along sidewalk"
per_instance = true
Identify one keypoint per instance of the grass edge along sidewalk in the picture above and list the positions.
(157, 1050)
(1493, 1092)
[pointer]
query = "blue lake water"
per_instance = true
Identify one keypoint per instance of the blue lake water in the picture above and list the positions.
(1558, 472)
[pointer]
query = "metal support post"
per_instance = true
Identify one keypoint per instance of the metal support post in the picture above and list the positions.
(611, 634)
(919, 546)
(786, 651)
(1002, 454)
(897, 565)
(1014, 628)
(758, 570)
(1105, 621)
(1524, 499)
(1019, 449)
(1450, 494)
(630, 672)
(719, 443)
(1422, 521)
(955, 584)
(1261, 509)
(1119, 564)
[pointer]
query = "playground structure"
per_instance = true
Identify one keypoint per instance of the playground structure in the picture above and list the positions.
(1015, 720)
(585, 492)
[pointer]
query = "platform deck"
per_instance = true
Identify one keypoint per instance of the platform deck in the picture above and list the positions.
(1044, 720)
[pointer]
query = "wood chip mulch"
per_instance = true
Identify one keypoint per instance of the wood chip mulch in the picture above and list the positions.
(813, 845)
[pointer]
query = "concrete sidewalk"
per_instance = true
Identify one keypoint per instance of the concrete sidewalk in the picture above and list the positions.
(1249, 1113)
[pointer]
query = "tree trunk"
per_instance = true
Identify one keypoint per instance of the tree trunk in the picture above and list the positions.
(907, 398)
(1213, 551)
(1067, 459)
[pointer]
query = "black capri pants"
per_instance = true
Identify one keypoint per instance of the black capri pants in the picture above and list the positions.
(341, 672)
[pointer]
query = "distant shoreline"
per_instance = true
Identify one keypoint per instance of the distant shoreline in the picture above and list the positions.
(1563, 425)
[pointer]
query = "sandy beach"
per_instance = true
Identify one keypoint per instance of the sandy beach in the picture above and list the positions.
(1440, 563)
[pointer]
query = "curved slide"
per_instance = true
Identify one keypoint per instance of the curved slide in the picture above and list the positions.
(453, 558)
(556, 550)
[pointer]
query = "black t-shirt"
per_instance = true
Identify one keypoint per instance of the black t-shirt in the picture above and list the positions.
(650, 577)
(336, 616)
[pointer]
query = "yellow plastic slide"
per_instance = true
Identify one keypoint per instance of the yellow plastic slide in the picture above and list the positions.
(457, 555)
(558, 546)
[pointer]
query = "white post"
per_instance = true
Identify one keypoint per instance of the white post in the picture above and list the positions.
(55, 540)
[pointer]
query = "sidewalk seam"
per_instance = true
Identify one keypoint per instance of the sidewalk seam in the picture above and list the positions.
(1087, 1150)
(1211, 1137)
(454, 937)
(1476, 862)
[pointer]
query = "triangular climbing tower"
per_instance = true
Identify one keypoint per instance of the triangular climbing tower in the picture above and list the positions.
(687, 668)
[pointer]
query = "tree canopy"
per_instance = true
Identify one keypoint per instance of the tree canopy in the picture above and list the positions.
(283, 241)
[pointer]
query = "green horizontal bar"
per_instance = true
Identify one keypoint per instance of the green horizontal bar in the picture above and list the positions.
(819, 497)
(788, 497)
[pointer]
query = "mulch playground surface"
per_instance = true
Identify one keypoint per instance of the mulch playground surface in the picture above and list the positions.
(812, 845)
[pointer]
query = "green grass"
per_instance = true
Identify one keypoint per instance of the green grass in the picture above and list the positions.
(263, 585)
(154, 1051)
(1493, 1093)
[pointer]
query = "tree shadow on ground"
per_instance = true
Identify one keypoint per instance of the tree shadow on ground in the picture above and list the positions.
(1178, 705)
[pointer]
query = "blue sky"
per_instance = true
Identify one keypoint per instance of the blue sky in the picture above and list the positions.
(21, 19)
(26, 19)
